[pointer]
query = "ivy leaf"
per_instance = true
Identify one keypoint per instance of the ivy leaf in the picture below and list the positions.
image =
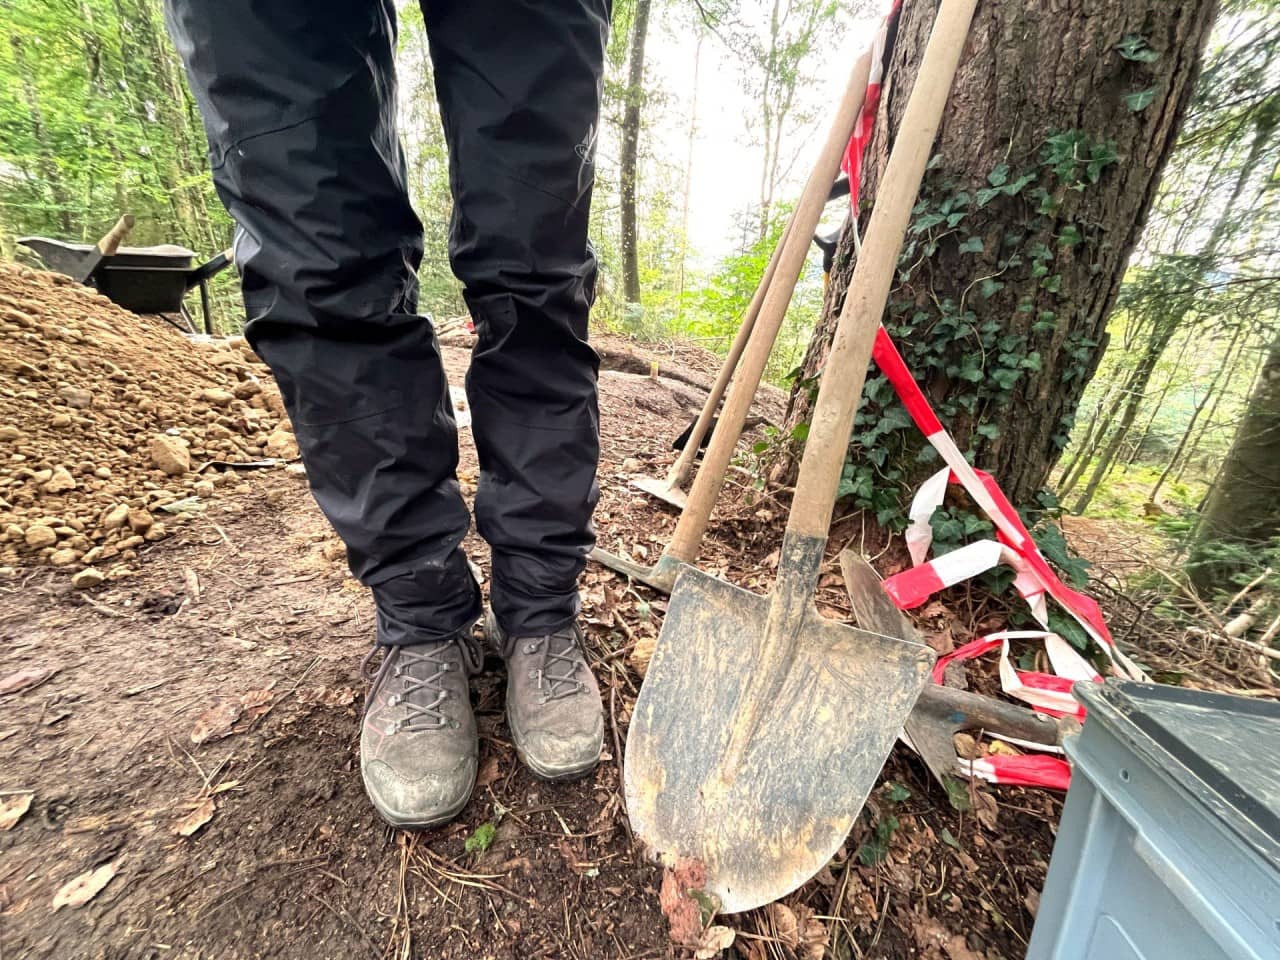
(1070, 236)
(800, 432)
(1135, 48)
(990, 286)
(896, 792)
(928, 220)
(971, 245)
(1137, 102)
(999, 175)
(1015, 188)
(989, 430)
(986, 195)
(1005, 377)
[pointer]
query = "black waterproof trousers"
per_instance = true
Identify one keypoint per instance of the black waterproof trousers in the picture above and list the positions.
(299, 103)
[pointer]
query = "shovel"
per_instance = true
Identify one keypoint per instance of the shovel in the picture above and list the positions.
(773, 297)
(762, 726)
(942, 712)
(670, 489)
(106, 247)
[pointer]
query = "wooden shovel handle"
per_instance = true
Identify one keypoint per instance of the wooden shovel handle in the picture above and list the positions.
(109, 244)
(846, 367)
(683, 466)
(775, 300)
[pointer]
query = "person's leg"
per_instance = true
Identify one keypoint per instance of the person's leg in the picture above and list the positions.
(298, 100)
(299, 105)
(519, 89)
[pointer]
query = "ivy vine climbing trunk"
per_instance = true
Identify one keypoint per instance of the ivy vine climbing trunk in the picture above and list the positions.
(1058, 125)
(631, 152)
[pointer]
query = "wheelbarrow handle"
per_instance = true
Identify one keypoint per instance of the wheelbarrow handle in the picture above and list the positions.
(209, 269)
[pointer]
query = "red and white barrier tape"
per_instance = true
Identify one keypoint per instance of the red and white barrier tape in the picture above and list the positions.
(1035, 580)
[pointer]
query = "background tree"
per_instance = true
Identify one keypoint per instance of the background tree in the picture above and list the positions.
(1243, 509)
(630, 151)
(1059, 125)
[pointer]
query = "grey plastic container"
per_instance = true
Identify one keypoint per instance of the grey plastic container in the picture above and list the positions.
(1169, 845)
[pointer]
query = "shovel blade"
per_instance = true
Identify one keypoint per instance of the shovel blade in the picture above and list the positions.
(767, 826)
(662, 490)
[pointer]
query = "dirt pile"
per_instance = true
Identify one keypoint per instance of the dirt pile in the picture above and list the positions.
(106, 418)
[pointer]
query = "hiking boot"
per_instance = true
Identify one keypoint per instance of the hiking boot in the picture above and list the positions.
(553, 703)
(418, 743)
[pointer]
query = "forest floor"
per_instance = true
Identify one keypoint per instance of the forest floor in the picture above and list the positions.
(243, 630)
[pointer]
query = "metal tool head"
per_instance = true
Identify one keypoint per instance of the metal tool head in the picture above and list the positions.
(661, 576)
(662, 489)
(766, 823)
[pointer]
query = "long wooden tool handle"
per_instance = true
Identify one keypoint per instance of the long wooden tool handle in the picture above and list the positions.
(681, 469)
(109, 244)
(846, 367)
(715, 462)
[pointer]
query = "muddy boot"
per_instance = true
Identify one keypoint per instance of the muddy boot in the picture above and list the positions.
(418, 743)
(553, 703)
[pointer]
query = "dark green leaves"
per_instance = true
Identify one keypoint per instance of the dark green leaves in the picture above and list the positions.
(1135, 48)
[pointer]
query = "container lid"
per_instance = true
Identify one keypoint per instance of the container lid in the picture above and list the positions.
(1223, 750)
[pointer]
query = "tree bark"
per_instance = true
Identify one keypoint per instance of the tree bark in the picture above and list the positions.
(1244, 506)
(1048, 270)
(630, 154)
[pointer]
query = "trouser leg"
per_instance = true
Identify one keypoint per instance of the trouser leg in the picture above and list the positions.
(298, 100)
(519, 89)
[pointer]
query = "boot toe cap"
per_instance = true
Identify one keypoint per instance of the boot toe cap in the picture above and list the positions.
(421, 799)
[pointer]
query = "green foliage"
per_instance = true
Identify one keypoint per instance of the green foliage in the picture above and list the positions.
(481, 839)
(875, 848)
(95, 120)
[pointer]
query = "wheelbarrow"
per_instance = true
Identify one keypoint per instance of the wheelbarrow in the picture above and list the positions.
(141, 279)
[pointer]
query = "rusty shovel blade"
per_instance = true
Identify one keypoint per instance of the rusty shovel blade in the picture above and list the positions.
(763, 817)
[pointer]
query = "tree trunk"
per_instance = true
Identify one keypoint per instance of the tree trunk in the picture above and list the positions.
(630, 153)
(1244, 506)
(1211, 391)
(1046, 166)
(1135, 391)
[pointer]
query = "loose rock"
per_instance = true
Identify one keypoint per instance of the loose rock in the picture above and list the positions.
(86, 578)
(170, 455)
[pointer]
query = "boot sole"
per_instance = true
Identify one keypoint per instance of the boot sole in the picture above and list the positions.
(427, 824)
(551, 775)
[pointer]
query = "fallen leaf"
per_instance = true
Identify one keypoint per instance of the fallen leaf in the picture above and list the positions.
(256, 703)
(1002, 749)
(713, 940)
(192, 582)
(225, 786)
(327, 696)
(85, 887)
(985, 809)
(216, 722)
(24, 678)
(488, 773)
(196, 819)
(785, 926)
(13, 809)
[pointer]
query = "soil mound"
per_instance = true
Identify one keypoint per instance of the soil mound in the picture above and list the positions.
(106, 419)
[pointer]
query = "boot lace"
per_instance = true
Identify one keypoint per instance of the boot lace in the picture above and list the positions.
(421, 695)
(561, 658)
